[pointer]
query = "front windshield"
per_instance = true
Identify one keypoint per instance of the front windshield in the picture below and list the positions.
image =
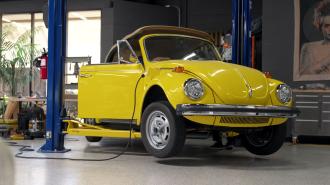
(161, 48)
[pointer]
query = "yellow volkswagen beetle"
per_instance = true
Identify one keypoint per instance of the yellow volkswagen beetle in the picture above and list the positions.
(168, 81)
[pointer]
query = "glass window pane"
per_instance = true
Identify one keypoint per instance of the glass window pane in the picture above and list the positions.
(17, 28)
(40, 42)
(84, 34)
(84, 38)
(41, 32)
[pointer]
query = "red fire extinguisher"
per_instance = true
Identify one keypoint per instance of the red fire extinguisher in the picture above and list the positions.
(43, 65)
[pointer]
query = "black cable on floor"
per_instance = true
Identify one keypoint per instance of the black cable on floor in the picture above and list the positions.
(28, 148)
(25, 148)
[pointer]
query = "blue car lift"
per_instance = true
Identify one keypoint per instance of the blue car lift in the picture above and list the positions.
(241, 32)
(57, 15)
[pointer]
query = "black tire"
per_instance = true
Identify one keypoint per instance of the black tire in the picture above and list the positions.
(176, 133)
(93, 139)
(265, 141)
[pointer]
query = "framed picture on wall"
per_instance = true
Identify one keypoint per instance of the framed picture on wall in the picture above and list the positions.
(312, 40)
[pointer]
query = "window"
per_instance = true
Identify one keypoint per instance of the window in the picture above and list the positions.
(41, 32)
(126, 53)
(17, 30)
(83, 38)
(161, 48)
(84, 34)
(112, 57)
(20, 29)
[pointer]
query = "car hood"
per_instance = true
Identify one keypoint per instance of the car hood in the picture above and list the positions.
(233, 84)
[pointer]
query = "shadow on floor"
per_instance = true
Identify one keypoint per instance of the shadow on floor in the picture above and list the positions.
(199, 155)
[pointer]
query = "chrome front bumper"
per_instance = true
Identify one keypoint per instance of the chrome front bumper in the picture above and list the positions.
(236, 110)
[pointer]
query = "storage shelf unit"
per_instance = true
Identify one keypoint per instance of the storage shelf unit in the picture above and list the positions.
(314, 119)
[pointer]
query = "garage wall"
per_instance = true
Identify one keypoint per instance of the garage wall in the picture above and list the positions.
(278, 40)
(129, 16)
(210, 15)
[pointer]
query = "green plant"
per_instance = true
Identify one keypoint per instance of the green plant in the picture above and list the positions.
(16, 54)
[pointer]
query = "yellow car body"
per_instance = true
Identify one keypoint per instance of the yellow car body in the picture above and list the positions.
(109, 92)
(158, 95)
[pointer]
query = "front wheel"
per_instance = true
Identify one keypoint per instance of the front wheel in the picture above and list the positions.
(163, 132)
(264, 141)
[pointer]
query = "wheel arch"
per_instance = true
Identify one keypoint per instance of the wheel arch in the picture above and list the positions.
(153, 94)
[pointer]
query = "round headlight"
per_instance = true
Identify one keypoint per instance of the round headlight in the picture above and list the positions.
(193, 88)
(284, 93)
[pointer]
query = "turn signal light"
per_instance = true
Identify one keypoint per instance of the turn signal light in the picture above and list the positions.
(178, 69)
(268, 75)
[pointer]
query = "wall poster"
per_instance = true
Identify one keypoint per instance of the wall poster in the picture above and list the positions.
(312, 40)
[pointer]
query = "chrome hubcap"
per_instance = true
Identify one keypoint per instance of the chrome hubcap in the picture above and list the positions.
(158, 130)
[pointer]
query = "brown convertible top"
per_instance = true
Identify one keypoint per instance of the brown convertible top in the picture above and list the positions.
(158, 29)
(167, 30)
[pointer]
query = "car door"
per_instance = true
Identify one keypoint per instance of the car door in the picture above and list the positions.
(113, 86)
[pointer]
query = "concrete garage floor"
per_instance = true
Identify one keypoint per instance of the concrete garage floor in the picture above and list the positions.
(198, 164)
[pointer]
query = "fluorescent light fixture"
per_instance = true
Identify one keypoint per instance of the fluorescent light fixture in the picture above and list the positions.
(6, 20)
(79, 16)
(189, 56)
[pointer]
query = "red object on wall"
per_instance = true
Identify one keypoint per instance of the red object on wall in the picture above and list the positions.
(43, 66)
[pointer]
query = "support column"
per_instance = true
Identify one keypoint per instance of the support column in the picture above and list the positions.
(56, 54)
(241, 32)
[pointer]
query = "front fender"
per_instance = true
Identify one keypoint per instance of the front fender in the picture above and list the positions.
(172, 84)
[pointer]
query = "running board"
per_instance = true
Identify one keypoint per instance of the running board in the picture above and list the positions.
(82, 129)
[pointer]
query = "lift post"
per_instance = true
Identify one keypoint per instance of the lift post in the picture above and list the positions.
(57, 52)
(241, 32)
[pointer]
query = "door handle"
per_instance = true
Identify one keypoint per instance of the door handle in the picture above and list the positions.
(85, 75)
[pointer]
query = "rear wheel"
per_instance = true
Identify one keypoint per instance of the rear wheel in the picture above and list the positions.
(163, 132)
(92, 139)
(264, 141)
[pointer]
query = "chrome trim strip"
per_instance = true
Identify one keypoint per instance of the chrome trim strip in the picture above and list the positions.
(251, 114)
(252, 107)
(236, 110)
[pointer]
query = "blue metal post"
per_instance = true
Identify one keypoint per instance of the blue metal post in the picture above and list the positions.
(235, 31)
(241, 32)
(56, 56)
(247, 33)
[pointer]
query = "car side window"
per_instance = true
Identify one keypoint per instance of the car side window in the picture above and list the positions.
(127, 56)
(112, 57)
